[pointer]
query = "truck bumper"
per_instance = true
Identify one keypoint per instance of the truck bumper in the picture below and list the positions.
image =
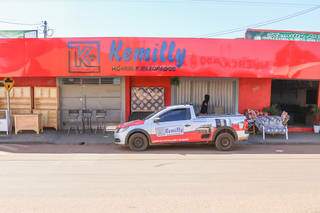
(119, 138)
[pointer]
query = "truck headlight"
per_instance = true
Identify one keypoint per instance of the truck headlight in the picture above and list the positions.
(120, 130)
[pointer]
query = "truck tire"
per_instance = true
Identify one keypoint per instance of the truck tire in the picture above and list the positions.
(224, 141)
(138, 142)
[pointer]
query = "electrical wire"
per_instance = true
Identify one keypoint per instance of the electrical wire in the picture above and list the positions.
(234, 2)
(6, 21)
(262, 3)
(260, 24)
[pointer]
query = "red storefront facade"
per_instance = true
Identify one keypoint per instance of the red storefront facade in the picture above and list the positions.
(153, 62)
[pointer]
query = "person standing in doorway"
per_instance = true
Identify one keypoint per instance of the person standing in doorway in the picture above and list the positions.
(204, 106)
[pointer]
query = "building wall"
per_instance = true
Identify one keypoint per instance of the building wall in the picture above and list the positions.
(147, 82)
(254, 93)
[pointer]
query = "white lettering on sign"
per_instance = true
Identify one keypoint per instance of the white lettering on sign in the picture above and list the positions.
(168, 131)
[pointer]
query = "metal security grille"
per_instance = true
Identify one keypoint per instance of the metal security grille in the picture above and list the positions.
(93, 94)
(147, 99)
(223, 94)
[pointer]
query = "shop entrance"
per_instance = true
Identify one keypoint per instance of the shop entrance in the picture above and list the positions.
(223, 94)
(92, 94)
(295, 97)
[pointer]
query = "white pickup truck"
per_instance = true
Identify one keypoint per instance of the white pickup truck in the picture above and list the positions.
(179, 124)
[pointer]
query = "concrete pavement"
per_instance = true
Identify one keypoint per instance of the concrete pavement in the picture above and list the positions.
(88, 178)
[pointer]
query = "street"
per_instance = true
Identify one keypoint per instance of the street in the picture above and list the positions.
(107, 178)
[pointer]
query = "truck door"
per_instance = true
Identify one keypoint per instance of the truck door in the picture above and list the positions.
(172, 126)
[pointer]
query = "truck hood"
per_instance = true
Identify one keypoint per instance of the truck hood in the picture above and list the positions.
(131, 123)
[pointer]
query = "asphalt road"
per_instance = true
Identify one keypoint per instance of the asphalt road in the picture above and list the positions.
(107, 178)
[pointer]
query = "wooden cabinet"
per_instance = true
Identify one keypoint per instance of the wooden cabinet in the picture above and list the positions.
(46, 98)
(49, 118)
(28, 122)
(20, 98)
(46, 103)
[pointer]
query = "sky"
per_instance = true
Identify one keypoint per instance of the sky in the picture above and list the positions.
(158, 18)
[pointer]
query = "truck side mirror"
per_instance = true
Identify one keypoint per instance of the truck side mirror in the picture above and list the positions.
(156, 120)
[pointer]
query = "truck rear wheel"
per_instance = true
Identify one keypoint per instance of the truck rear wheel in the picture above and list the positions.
(224, 141)
(138, 142)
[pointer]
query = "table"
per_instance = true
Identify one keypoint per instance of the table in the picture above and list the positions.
(28, 122)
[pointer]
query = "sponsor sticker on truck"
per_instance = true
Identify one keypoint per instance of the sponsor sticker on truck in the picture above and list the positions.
(168, 131)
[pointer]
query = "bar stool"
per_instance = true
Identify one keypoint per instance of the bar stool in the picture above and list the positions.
(74, 120)
(86, 119)
(100, 118)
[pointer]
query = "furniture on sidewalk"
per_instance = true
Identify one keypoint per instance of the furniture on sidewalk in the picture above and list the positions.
(74, 120)
(100, 119)
(251, 116)
(271, 125)
(28, 122)
(46, 102)
(86, 115)
(252, 127)
(5, 125)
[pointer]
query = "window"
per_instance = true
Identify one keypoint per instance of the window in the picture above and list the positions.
(176, 115)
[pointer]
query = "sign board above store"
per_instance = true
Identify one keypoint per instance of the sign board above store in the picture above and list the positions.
(124, 56)
(257, 34)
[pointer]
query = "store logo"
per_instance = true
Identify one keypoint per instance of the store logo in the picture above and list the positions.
(84, 56)
(166, 52)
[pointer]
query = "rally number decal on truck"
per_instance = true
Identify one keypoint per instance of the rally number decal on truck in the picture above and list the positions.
(169, 131)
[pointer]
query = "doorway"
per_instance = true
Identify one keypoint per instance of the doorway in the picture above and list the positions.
(295, 97)
(91, 93)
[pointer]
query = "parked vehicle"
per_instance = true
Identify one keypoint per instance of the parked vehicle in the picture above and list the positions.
(179, 124)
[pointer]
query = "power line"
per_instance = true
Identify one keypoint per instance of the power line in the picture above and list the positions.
(260, 24)
(262, 3)
(234, 2)
(16, 23)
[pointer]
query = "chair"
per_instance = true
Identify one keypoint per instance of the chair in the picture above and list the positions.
(100, 118)
(74, 120)
(271, 125)
(86, 119)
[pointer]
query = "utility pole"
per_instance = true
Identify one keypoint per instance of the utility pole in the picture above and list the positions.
(45, 29)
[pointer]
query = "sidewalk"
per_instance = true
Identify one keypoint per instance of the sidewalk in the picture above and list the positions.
(60, 137)
(294, 138)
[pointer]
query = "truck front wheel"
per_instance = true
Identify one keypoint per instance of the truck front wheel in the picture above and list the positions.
(138, 142)
(224, 141)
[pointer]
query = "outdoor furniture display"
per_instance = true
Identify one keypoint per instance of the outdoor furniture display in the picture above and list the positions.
(251, 116)
(271, 125)
(74, 120)
(20, 100)
(28, 122)
(100, 118)
(4, 121)
(86, 115)
(49, 117)
(46, 102)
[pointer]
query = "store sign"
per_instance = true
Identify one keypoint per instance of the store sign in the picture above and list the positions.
(84, 57)
(172, 57)
(164, 53)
